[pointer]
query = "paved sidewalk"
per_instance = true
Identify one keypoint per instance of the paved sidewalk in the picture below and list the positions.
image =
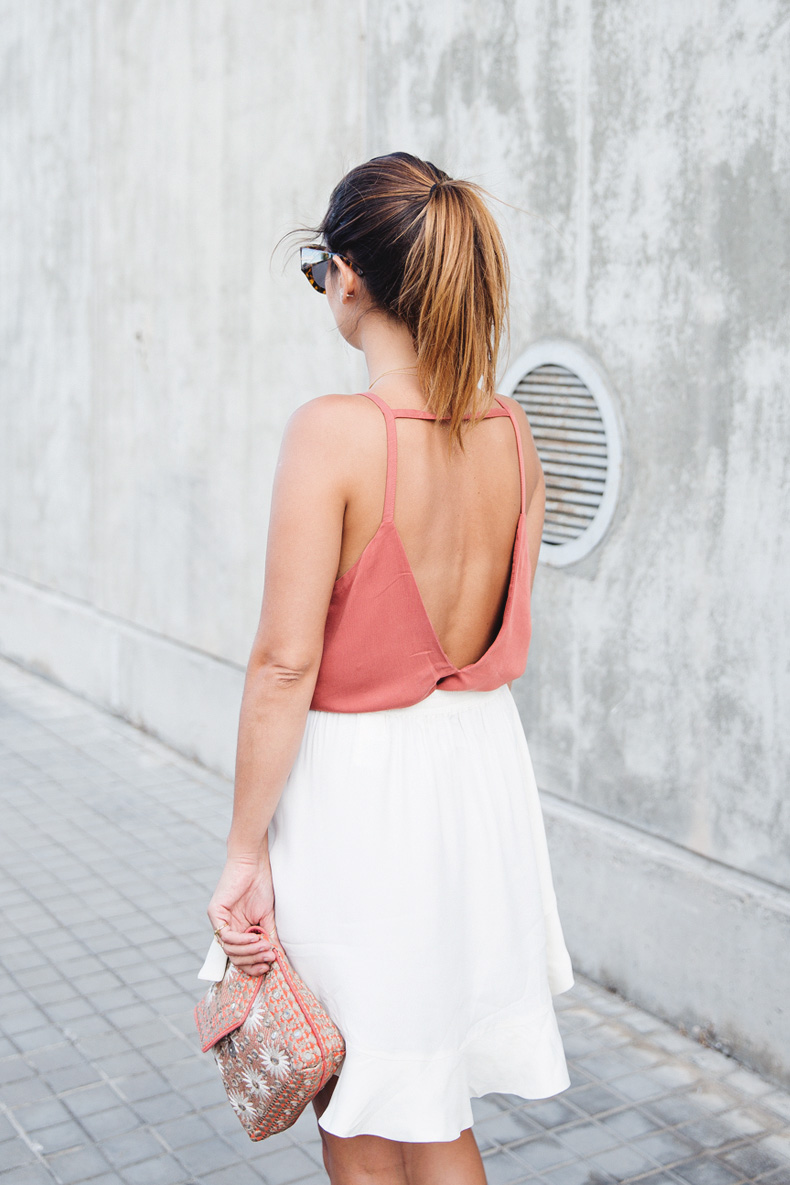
(111, 844)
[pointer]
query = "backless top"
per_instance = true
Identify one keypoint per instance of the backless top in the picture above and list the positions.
(380, 649)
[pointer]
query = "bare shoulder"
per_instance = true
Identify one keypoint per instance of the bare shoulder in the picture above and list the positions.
(333, 419)
(330, 412)
(335, 432)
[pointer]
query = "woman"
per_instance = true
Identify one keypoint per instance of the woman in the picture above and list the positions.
(384, 787)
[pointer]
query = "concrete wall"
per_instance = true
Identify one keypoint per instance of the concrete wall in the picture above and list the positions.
(151, 356)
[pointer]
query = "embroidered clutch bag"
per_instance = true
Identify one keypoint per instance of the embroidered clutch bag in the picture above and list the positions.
(274, 1044)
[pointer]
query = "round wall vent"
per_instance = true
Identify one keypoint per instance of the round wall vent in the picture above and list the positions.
(576, 434)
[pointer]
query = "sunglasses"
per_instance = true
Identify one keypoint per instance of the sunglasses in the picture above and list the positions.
(314, 262)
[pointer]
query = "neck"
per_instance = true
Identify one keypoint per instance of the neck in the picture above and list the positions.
(387, 345)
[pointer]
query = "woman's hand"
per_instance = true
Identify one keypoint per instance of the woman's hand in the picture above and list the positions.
(244, 897)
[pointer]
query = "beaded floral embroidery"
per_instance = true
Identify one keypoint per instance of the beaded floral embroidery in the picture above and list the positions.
(274, 1044)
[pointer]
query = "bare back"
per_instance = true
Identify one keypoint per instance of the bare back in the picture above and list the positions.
(456, 517)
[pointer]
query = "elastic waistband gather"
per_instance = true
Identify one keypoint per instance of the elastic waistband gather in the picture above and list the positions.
(438, 702)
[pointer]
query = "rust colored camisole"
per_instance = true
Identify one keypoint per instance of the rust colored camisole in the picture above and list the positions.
(380, 649)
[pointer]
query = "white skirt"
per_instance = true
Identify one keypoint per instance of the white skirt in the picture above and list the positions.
(414, 896)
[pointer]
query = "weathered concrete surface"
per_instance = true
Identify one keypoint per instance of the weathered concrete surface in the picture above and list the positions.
(654, 143)
(697, 943)
(151, 353)
(151, 356)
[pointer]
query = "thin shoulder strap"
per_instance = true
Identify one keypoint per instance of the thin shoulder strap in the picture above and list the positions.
(392, 455)
(517, 431)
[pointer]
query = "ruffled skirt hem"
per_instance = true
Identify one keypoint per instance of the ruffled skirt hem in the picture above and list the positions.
(427, 1099)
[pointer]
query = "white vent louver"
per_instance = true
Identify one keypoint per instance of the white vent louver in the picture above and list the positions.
(571, 441)
(577, 436)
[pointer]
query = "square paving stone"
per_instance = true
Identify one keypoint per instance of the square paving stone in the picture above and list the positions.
(748, 1083)
(56, 1057)
(751, 1121)
(75, 1167)
(40, 1115)
(642, 1055)
(130, 1148)
(606, 1064)
(165, 1170)
(754, 1159)
(191, 1070)
(621, 1163)
(675, 1074)
(91, 1100)
(714, 1099)
(578, 1077)
(54, 993)
(142, 1086)
(577, 1173)
(287, 1165)
(113, 1122)
(595, 1099)
(164, 1106)
(14, 1153)
(205, 1093)
(14, 1069)
(207, 1156)
(553, 1113)
(542, 1152)
(188, 1130)
(104, 1044)
(639, 1087)
(134, 1014)
(779, 1144)
(584, 1139)
(502, 1169)
(29, 1174)
(176, 1053)
(30, 1090)
(152, 1032)
(507, 1127)
(93, 1024)
(778, 1103)
(69, 1010)
(109, 1003)
(70, 1077)
(61, 1136)
(665, 1147)
(627, 1125)
(580, 1043)
(122, 1065)
(223, 1119)
(661, 1177)
(713, 1132)
(235, 1174)
(677, 1108)
(107, 1179)
(27, 1020)
(707, 1170)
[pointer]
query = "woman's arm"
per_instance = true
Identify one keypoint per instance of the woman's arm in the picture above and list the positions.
(302, 557)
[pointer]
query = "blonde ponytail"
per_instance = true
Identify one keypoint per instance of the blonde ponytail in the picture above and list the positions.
(455, 296)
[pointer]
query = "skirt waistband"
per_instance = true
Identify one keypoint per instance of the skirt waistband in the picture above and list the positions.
(438, 702)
